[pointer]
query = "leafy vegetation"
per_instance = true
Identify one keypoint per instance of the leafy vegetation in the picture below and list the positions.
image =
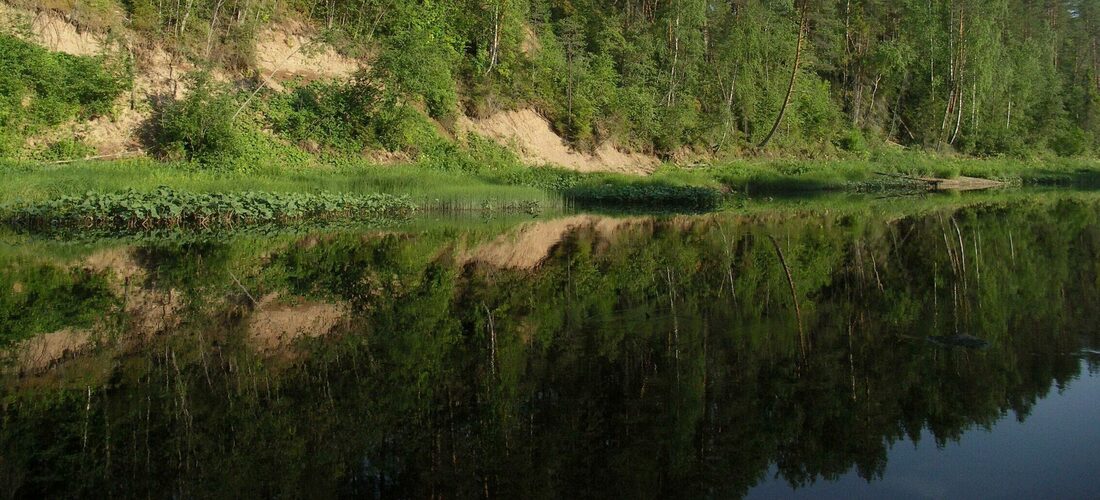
(209, 127)
(835, 82)
(830, 78)
(653, 195)
(983, 78)
(168, 208)
(40, 89)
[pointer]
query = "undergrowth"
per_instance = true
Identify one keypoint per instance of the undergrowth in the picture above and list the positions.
(40, 89)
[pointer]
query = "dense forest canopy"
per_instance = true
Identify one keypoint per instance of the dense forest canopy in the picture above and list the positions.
(989, 77)
(1000, 76)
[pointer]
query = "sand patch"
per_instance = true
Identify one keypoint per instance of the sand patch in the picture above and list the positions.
(536, 143)
(151, 312)
(119, 260)
(114, 136)
(43, 351)
(286, 53)
(275, 325)
(530, 45)
(530, 244)
(158, 77)
(55, 32)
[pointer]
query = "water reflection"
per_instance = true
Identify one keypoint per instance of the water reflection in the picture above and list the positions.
(674, 356)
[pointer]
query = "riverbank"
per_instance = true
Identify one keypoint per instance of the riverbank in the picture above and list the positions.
(505, 186)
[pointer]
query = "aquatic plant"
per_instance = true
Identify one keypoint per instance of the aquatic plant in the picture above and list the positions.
(169, 208)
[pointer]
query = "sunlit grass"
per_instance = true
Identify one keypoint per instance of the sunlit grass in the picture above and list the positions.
(28, 183)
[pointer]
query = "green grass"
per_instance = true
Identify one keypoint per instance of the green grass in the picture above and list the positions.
(631, 193)
(886, 171)
(462, 184)
(28, 182)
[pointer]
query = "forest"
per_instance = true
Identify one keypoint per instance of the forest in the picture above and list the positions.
(675, 79)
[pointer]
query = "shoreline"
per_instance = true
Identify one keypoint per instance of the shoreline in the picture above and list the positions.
(502, 188)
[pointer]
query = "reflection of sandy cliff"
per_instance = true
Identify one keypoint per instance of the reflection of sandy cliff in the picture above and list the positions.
(530, 244)
(275, 325)
(146, 312)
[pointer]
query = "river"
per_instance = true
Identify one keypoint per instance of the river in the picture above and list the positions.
(932, 347)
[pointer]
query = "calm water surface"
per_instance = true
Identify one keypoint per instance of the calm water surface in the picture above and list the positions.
(910, 349)
(1049, 454)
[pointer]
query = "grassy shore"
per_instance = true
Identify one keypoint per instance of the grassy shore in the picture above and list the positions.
(506, 186)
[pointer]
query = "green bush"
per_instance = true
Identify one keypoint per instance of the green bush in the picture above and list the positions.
(852, 141)
(400, 128)
(143, 14)
(418, 57)
(334, 115)
(45, 299)
(64, 149)
(1070, 141)
(40, 89)
(200, 127)
(653, 195)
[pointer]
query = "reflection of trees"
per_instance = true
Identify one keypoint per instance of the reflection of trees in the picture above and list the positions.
(623, 366)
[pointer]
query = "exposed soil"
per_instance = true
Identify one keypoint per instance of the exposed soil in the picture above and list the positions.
(58, 34)
(531, 44)
(285, 53)
(149, 310)
(119, 261)
(532, 138)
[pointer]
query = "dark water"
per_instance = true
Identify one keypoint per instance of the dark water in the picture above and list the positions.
(942, 349)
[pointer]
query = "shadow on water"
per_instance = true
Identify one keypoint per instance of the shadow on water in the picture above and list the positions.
(590, 356)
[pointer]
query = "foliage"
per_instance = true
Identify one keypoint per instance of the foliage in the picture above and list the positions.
(41, 89)
(652, 195)
(168, 208)
(200, 126)
(212, 127)
(976, 77)
(334, 115)
(1005, 77)
(64, 149)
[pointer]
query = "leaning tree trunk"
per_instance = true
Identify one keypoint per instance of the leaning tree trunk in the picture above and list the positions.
(794, 75)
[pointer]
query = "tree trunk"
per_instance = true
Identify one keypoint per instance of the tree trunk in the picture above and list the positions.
(794, 75)
(494, 47)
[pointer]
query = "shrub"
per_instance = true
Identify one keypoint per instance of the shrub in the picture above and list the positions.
(1070, 141)
(418, 57)
(852, 141)
(64, 149)
(644, 195)
(40, 89)
(200, 127)
(54, 299)
(335, 115)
